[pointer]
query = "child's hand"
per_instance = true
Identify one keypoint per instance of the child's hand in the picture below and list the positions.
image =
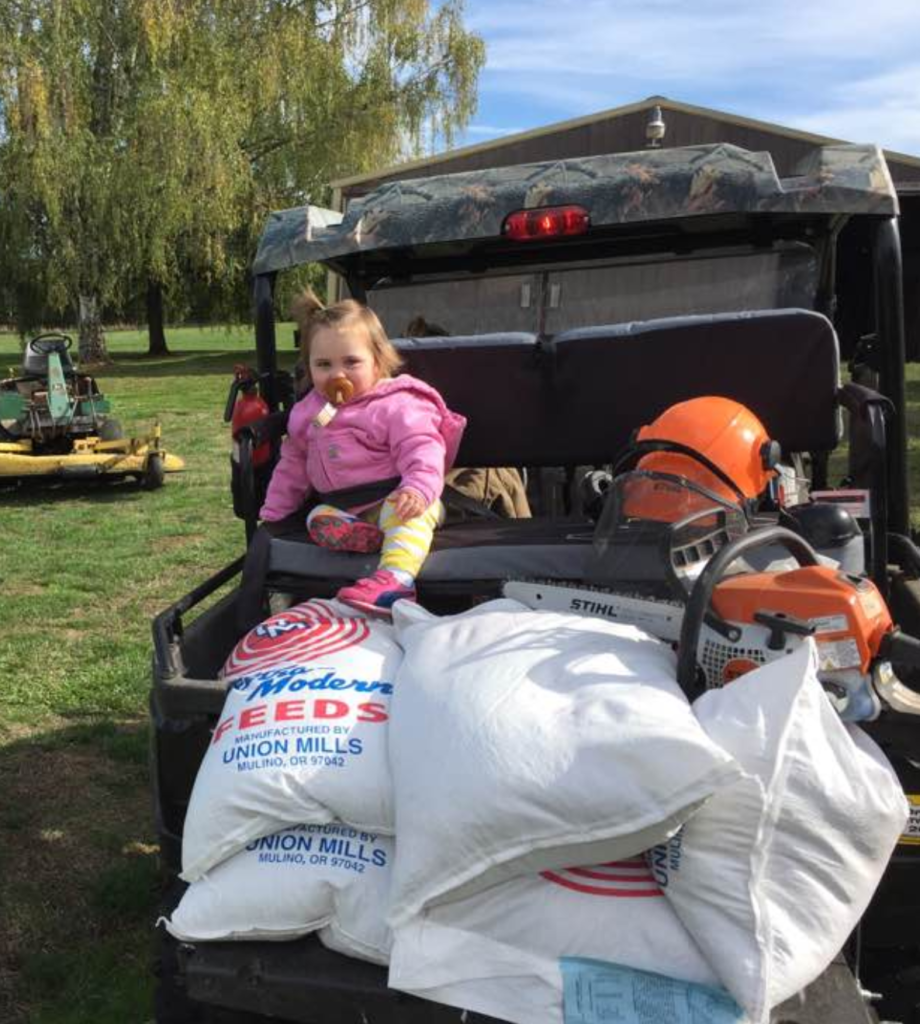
(408, 504)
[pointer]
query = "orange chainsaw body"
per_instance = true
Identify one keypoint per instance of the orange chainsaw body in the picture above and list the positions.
(844, 610)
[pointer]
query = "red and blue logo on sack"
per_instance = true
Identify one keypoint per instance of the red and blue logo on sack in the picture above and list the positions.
(300, 635)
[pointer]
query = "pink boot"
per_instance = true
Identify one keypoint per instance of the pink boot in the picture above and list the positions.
(344, 534)
(376, 594)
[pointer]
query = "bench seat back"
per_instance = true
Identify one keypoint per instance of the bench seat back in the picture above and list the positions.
(576, 397)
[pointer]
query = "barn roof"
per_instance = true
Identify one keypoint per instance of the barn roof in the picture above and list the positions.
(428, 165)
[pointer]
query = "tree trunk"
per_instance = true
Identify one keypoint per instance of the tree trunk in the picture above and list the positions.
(92, 336)
(156, 336)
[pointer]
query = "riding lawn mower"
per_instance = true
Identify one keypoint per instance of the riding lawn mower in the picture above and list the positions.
(55, 422)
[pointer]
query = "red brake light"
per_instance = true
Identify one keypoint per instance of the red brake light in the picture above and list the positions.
(546, 222)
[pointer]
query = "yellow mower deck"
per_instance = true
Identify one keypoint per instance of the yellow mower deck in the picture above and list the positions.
(90, 456)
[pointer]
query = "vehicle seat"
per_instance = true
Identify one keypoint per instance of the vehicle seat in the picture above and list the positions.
(575, 399)
(35, 364)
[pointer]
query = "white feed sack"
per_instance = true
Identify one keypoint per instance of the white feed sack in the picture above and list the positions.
(302, 735)
(526, 740)
(772, 875)
(327, 878)
(497, 952)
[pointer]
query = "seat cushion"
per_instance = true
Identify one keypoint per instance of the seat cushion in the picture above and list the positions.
(480, 550)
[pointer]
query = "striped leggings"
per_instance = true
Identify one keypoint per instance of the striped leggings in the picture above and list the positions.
(406, 544)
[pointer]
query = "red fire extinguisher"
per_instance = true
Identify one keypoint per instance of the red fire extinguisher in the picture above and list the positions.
(244, 406)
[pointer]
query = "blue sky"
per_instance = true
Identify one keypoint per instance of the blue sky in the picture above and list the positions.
(845, 68)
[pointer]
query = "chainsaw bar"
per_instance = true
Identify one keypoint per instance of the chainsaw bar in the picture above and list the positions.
(661, 618)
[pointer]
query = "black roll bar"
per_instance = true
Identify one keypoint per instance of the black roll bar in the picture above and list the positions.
(167, 626)
(889, 314)
(263, 295)
(872, 411)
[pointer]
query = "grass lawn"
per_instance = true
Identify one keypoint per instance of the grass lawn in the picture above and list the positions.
(83, 570)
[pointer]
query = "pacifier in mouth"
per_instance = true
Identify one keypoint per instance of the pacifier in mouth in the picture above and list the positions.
(339, 390)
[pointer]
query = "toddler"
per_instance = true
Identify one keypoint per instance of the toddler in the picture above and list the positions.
(387, 430)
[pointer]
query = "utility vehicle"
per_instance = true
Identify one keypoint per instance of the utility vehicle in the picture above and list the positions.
(582, 298)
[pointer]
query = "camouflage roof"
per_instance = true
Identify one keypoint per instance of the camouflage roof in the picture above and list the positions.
(618, 188)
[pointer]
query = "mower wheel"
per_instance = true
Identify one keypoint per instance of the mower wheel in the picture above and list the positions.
(154, 474)
(110, 430)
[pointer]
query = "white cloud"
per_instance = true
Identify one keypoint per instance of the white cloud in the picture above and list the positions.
(671, 38)
(829, 66)
(883, 108)
(903, 80)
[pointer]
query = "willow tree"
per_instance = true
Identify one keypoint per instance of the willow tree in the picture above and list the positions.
(145, 140)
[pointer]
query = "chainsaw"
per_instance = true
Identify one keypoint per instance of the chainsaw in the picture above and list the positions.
(727, 625)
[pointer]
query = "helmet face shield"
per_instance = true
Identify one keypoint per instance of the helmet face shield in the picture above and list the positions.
(649, 495)
(661, 527)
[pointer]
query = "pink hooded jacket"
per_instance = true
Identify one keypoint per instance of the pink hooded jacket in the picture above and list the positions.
(401, 427)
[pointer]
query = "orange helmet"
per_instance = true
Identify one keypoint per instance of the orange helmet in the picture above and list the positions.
(716, 443)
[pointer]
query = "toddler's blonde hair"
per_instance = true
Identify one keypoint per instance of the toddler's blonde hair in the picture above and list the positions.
(310, 314)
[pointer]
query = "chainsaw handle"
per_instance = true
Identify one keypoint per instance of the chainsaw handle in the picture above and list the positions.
(700, 597)
(900, 649)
